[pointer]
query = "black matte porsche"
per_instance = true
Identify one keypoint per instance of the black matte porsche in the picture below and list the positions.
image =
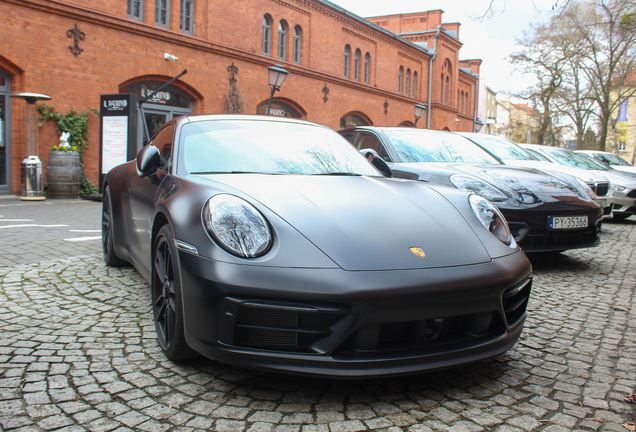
(547, 212)
(273, 244)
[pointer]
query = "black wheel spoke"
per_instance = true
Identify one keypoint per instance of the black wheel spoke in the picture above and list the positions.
(170, 320)
(160, 265)
(161, 317)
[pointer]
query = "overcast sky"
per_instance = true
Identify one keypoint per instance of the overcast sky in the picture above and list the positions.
(491, 39)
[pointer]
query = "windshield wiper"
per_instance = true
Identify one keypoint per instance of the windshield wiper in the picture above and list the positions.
(340, 174)
(234, 172)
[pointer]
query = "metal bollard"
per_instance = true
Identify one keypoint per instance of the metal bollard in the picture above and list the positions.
(32, 179)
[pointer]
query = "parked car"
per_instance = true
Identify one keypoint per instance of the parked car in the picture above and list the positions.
(513, 154)
(623, 185)
(544, 212)
(272, 243)
(611, 160)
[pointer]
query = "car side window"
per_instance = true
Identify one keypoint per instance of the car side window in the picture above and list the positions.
(163, 142)
(365, 140)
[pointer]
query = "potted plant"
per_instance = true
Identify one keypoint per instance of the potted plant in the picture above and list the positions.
(64, 170)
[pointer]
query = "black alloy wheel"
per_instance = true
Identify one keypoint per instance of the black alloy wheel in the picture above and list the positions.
(166, 298)
(110, 258)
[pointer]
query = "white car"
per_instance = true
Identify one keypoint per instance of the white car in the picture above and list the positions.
(511, 153)
(614, 161)
(623, 185)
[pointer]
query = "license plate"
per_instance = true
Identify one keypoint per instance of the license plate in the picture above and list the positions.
(567, 222)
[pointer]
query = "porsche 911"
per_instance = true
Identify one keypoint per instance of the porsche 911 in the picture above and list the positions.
(274, 244)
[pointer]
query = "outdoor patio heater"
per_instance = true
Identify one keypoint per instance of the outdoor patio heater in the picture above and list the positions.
(31, 175)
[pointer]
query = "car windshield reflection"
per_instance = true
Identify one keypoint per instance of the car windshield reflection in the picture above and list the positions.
(414, 146)
(502, 149)
(252, 146)
(574, 160)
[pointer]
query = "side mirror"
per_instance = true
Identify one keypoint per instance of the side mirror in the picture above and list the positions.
(377, 162)
(148, 161)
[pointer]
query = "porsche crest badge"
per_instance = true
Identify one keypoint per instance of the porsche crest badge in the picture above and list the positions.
(417, 251)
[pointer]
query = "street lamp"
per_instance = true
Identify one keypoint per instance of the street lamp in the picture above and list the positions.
(276, 77)
(32, 180)
(419, 112)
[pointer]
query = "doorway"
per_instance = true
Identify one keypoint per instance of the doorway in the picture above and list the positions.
(161, 108)
(5, 134)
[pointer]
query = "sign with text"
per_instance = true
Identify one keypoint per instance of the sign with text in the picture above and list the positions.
(114, 142)
(117, 131)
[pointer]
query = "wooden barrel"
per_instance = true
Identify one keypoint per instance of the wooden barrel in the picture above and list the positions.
(64, 174)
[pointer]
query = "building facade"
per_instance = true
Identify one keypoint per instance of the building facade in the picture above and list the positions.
(621, 137)
(344, 69)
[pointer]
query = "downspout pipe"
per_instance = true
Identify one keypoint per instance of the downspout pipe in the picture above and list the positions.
(430, 78)
(475, 102)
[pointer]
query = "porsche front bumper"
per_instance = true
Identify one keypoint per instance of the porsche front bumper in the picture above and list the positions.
(336, 323)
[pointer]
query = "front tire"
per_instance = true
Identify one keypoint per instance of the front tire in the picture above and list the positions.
(108, 243)
(166, 298)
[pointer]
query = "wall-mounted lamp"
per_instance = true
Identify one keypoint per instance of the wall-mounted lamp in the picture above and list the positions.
(419, 112)
(478, 125)
(277, 75)
(170, 57)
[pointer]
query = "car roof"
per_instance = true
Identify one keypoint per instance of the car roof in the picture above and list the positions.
(224, 117)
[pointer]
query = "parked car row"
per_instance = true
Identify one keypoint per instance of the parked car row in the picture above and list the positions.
(546, 211)
(274, 244)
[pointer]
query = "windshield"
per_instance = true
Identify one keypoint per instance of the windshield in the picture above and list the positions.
(538, 156)
(612, 159)
(258, 146)
(503, 149)
(568, 158)
(414, 145)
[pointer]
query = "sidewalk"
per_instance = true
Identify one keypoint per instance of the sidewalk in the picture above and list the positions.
(34, 231)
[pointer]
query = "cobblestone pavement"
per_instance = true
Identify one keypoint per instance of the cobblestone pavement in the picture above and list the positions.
(78, 353)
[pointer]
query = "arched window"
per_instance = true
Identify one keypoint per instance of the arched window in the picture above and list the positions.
(414, 84)
(446, 90)
(267, 34)
(347, 55)
(367, 64)
(298, 32)
(282, 40)
(441, 88)
(408, 81)
(400, 76)
(467, 103)
(356, 65)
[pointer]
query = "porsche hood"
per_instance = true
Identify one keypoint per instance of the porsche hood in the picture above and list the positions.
(365, 223)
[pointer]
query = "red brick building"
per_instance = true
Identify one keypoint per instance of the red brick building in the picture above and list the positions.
(343, 69)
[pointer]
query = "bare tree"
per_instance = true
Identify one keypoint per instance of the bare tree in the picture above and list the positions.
(581, 60)
(541, 56)
(606, 39)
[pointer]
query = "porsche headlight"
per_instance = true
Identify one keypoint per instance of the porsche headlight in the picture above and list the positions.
(474, 185)
(492, 219)
(237, 226)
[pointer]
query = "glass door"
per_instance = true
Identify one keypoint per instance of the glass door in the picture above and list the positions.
(3, 145)
(5, 134)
